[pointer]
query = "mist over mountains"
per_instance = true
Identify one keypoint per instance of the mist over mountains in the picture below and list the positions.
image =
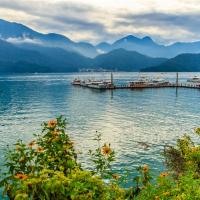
(23, 50)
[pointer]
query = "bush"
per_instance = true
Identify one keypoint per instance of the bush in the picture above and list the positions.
(47, 169)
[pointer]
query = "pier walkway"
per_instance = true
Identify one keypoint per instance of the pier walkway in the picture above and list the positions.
(126, 86)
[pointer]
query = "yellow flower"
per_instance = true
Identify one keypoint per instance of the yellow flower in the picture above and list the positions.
(21, 176)
(157, 197)
(31, 144)
(52, 123)
(40, 149)
(116, 176)
(164, 174)
(145, 168)
(106, 150)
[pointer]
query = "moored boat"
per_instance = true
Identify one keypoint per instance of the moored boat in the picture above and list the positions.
(76, 82)
(159, 82)
(195, 79)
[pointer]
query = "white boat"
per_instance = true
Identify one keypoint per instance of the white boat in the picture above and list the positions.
(76, 82)
(159, 81)
(142, 82)
(195, 79)
(99, 84)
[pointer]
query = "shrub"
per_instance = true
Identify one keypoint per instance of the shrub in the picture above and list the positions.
(47, 169)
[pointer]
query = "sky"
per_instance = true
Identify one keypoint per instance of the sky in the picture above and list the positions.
(166, 21)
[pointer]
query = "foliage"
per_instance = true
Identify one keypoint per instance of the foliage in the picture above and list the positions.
(102, 158)
(79, 184)
(47, 169)
(183, 181)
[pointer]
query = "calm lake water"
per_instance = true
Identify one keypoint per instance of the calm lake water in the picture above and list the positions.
(124, 117)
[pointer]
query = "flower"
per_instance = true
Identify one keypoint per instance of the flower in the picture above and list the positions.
(21, 176)
(52, 123)
(164, 174)
(106, 150)
(40, 149)
(157, 197)
(145, 168)
(116, 176)
(31, 144)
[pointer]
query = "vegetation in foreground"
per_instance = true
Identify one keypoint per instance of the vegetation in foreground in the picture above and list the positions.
(47, 169)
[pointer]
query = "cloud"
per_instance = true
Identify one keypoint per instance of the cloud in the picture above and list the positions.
(169, 26)
(22, 40)
(165, 21)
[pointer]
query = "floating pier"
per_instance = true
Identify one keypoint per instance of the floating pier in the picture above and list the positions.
(109, 85)
(170, 85)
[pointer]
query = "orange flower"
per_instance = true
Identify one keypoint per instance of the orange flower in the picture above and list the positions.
(106, 150)
(116, 176)
(40, 149)
(145, 168)
(31, 144)
(21, 176)
(164, 174)
(52, 123)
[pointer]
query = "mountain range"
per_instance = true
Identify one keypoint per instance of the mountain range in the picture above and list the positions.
(23, 50)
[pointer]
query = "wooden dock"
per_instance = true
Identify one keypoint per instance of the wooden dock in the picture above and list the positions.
(125, 86)
(105, 85)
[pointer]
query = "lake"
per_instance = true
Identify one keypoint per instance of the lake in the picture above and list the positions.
(126, 118)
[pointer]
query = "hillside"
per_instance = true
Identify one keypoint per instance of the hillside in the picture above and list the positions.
(15, 60)
(123, 60)
(181, 63)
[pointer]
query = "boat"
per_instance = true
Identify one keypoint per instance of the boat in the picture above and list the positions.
(76, 82)
(141, 82)
(195, 79)
(159, 82)
(145, 82)
(99, 84)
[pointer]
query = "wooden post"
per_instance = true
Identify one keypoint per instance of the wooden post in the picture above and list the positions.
(176, 79)
(111, 78)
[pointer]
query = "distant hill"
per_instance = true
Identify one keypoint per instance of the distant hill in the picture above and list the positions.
(181, 63)
(148, 47)
(18, 60)
(31, 58)
(20, 34)
(123, 60)
(23, 49)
